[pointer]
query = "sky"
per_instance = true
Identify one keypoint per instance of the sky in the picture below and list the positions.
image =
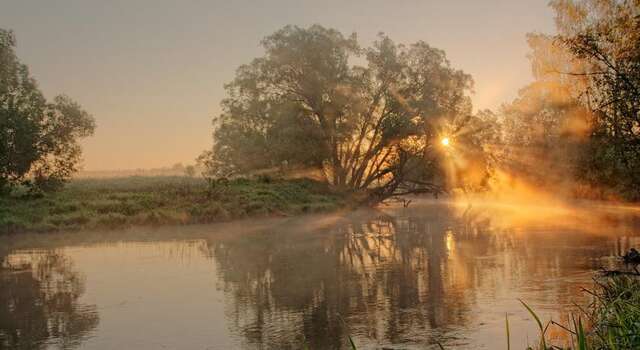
(151, 72)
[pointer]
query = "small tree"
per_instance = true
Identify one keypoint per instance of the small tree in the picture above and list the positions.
(38, 139)
(190, 170)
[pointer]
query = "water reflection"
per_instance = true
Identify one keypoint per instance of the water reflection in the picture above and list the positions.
(398, 278)
(407, 279)
(39, 291)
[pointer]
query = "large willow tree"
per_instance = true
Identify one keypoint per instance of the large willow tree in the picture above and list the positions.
(370, 118)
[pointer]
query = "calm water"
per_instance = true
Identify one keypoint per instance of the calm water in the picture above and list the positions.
(396, 278)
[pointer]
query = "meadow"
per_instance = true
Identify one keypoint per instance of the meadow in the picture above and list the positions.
(161, 200)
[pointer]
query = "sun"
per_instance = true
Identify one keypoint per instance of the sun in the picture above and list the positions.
(445, 141)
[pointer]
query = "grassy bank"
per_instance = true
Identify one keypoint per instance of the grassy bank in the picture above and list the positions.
(121, 202)
(611, 322)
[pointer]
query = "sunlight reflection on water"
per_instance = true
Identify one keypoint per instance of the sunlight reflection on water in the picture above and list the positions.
(399, 278)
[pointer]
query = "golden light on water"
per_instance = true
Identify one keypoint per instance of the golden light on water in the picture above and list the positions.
(445, 141)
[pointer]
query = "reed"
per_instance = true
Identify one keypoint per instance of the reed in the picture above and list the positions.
(613, 318)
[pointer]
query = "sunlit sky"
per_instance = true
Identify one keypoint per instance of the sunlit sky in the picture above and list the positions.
(152, 72)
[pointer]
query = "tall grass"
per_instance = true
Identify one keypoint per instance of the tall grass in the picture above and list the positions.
(506, 325)
(611, 322)
(121, 202)
(613, 319)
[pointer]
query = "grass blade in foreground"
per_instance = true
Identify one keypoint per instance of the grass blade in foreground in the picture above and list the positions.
(543, 342)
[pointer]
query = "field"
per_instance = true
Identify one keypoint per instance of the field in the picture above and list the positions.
(122, 202)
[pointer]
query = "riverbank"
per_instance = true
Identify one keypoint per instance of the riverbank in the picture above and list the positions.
(140, 201)
(611, 321)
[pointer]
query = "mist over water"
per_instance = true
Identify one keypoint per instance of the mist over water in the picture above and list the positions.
(394, 278)
(291, 111)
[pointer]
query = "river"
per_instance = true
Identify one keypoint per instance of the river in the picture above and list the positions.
(396, 278)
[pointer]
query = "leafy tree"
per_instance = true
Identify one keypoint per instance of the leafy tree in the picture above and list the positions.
(546, 126)
(581, 114)
(603, 38)
(370, 119)
(38, 139)
(606, 36)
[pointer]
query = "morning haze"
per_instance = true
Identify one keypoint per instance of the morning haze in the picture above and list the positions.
(152, 72)
(340, 175)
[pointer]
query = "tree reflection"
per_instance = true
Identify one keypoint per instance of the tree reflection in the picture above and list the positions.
(413, 277)
(387, 277)
(40, 309)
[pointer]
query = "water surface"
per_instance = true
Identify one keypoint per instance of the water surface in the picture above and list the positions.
(394, 278)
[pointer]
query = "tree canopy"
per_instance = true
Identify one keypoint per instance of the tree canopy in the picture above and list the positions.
(38, 139)
(605, 37)
(581, 115)
(371, 119)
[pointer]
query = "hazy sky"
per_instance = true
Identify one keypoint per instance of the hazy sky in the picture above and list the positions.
(152, 72)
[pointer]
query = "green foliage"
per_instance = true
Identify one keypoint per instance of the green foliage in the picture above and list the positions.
(543, 330)
(581, 115)
(605, 37)
(614, 318)
(113, 203)
(38, 139)
(546, 128)
(367, 127)
(617, 311)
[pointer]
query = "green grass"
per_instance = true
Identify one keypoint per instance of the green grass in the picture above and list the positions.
(122, 202)
(611, 322)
